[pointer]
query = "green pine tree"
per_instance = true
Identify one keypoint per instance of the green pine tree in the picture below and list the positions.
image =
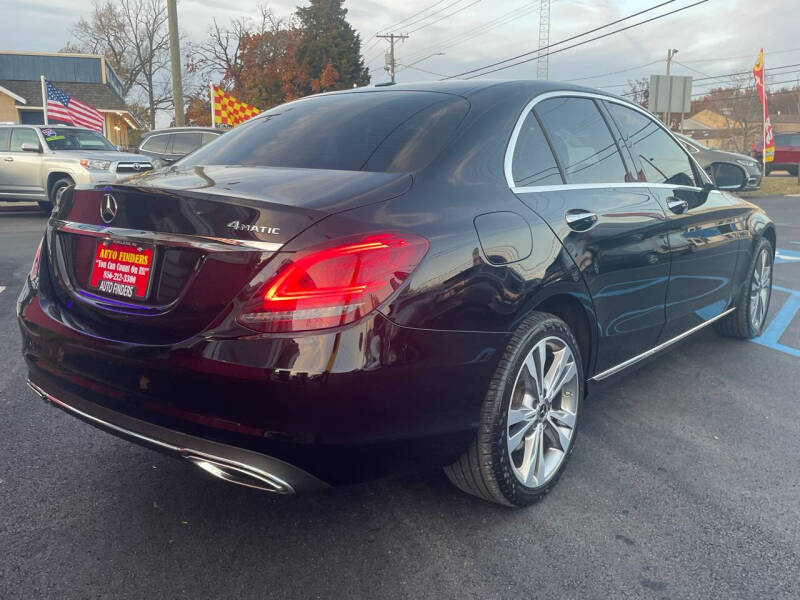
(328, 39)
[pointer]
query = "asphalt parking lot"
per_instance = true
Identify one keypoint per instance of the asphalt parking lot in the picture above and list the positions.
(683, 484)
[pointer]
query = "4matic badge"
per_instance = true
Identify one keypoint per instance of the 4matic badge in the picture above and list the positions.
(257, 228)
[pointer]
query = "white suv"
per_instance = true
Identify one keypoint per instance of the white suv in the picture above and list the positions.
(38, 162)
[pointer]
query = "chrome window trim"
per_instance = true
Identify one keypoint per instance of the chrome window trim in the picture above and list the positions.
(512, 144)
(632, 361)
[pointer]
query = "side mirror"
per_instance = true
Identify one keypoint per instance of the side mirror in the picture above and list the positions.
(28, 147)
(727, 176)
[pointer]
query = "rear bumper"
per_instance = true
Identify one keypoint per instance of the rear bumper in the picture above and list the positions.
(334, 407)
(233, 464)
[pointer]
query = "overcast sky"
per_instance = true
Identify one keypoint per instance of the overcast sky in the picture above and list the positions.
(717, 37)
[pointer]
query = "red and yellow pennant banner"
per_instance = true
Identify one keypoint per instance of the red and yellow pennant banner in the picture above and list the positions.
(768, 151)
(228, 110)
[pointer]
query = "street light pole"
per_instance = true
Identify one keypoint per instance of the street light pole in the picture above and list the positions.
(175, 61)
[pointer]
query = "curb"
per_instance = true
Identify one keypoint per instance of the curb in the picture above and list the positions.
(19, 207)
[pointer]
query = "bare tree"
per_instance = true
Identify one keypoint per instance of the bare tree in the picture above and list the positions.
(133, 36)
(639, 91)
(220, 56)
(103, 32)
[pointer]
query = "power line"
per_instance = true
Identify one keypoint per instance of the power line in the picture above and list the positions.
(672, 12)
(407, 25)
(469, 34)
(558, 43)
(614, 72)
(447, 16)
(400, 22)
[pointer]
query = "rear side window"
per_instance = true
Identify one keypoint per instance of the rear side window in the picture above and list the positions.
(22, 135)
(183, 143)
(371, 131)
(661, 158)
(581, 139)
(209, 137)
(795, 140)
(156, 143)
(5, 134)
(533, 162)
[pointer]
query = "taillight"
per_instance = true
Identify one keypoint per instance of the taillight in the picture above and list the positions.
(334, 284)
(34, 272)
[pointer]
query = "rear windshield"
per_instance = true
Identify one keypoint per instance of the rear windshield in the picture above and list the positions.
(369, 131)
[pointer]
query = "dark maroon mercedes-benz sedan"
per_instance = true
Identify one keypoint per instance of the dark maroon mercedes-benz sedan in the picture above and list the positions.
(385, 279)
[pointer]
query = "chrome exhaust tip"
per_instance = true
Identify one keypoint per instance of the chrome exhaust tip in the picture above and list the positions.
(241, 474)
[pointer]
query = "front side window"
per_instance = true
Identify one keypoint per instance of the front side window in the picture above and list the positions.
(58, 138)
(209, 137)
(156, 143)
(782, 140)
(533, 162)
(661, 158)
(22, 135)
(582, 140)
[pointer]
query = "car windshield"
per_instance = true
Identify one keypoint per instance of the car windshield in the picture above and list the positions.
(75, 139)
(384, 131)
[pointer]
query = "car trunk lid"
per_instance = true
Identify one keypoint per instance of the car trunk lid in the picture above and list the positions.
(199, 235)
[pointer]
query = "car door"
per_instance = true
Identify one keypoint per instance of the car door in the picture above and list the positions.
(6, 162)
(23, 168)
(568, 168)
(704, 226)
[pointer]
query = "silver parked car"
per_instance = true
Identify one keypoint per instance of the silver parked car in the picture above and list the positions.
(38, 162)
(709, 157)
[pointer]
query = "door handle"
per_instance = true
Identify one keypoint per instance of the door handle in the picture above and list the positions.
(9, 159)
(677, 206)
(579, 219)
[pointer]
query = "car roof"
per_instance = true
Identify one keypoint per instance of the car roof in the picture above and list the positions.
(182, 129)
(469, 87)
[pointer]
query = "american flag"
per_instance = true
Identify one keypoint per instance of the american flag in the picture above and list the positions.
(62, 107)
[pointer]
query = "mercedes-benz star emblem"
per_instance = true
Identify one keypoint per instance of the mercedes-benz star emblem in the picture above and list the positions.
(108, 208)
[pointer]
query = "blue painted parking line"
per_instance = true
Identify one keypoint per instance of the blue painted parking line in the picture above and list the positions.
(786, 256)
(772, 334)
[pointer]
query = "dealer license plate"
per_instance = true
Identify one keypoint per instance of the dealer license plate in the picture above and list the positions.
(122, 270)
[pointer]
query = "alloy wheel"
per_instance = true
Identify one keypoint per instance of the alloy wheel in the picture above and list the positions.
(542, 413)
(760, 289)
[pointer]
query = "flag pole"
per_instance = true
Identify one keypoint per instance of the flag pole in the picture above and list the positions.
(763, 117)
(44, 99)
(213, 108)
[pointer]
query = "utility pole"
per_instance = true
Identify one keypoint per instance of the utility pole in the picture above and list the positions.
(175, 61)
(392, 63)
(544, 38)
(670, 55)
(668, 115)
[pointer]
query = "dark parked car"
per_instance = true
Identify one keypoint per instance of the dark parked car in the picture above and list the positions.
(166, 146)
(787, 153)
(385, 279)
(709, 158)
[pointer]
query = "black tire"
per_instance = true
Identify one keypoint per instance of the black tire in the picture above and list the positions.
(486, 469)
(793, 171)
(55, 191)
(740, 323)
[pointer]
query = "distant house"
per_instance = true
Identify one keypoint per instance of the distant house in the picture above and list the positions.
(87, 77)
(786, 123)
(717, 130)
